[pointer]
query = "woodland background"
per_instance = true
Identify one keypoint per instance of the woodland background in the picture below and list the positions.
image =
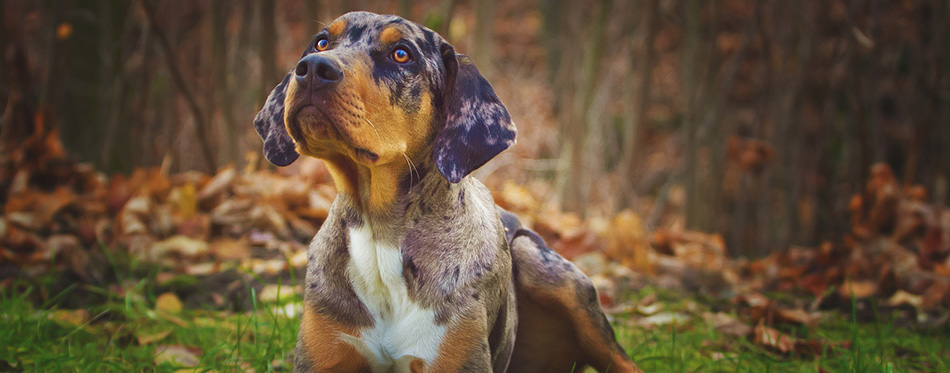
(756, 119)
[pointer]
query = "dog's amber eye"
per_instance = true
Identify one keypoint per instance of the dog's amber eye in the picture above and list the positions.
(321, 45)
(401, 55)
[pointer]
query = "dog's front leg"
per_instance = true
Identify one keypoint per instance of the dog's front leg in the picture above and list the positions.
(323, 346)
(465, 347)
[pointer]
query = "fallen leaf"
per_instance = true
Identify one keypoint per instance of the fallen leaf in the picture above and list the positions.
(299, 259)
(275, 293)
(663, 319)
(727, 324)
(218, 185)
(177, 355)
(51, 204)
(70, 317)
(184, 200)
(857, 289)
(773, 339)
(181, 245)
(168, 302)
(271, 267)
(628, 241)
(132, 219)
(938, 294)
(202, 268)
(230, 249)
(651, 309)
(592, 264)
(144, 337)
(902, 297)
(795, 316)
(514, 197)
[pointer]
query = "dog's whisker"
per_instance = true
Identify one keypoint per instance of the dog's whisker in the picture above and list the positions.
(374, 127)
(412, 168)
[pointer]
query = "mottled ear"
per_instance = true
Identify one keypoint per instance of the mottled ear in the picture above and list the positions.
(477, 125)
(269, 123)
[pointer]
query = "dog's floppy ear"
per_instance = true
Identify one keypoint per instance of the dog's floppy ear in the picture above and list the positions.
(269, 123)
(477, 125)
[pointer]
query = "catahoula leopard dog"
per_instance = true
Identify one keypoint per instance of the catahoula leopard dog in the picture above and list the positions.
(416, 269)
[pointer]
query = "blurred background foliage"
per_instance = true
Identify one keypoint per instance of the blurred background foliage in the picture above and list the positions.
(754, 118)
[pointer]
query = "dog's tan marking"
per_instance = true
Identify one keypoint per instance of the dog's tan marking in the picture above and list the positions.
(324, 347)
(362, 118)
(409, 364)
(344, 171)
(417, 366)
(390, 35)
(336, 28)
(459, 343)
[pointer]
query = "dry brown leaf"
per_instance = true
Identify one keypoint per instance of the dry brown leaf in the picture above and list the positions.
(148, 337)
(727, 324)
(937, 294)
(217, 186)
(184, 200)
(156, 183)
(179, 245)
(71, 318)
(516, 198)
(299, 259)
(583, 241)
(773, 339)
(50, 204)
(234, 211)
(202, 269)
(275, 293)
(301, 227)
(628, 241)
(663, 318)
(177, 355)
(753, 300)
(795, 316)
(230, 249)
(902, 297)
(168, 302)
(270, 267)
(857, 289)
(559, 225)
(132, 219)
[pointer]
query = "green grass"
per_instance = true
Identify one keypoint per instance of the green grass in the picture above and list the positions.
(41, 338)
(695, 346)
(35, 337)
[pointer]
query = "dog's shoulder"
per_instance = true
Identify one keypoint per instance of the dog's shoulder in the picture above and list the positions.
(328, 288)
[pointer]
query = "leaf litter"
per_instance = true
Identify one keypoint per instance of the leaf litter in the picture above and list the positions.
(236, 226)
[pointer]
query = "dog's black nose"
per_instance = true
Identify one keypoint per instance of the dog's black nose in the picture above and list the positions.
(317, 70)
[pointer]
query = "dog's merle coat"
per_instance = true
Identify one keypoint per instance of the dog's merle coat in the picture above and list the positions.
(489, 293)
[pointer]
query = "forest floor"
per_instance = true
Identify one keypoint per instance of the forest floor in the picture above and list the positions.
(141, 324)
(159, 271)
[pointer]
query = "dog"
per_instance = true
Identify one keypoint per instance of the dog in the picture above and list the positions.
(416, 269)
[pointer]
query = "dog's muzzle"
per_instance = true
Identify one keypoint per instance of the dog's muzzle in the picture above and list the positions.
(316, 71)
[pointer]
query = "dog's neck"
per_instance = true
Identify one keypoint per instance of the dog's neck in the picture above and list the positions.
(389, 194)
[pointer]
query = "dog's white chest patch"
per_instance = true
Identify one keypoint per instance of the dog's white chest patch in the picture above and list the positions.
(402, 329)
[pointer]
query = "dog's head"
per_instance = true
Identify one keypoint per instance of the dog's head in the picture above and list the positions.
(372, 89)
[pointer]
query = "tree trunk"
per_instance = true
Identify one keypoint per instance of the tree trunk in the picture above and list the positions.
(636, 122)
(484, 17)
(269, 75)
(575, 190)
